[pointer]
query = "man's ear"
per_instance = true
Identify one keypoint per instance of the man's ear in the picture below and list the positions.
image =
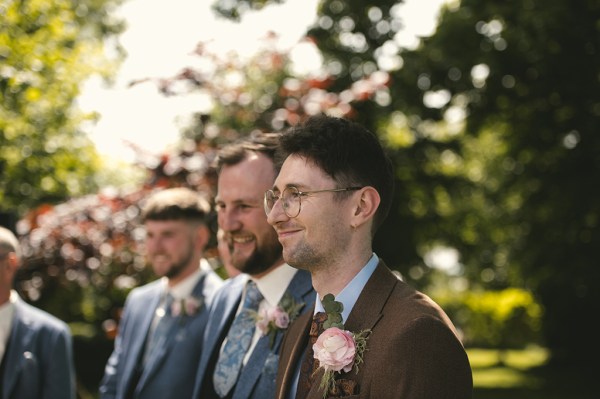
(202, 235)
(365, 206)
(12, 262)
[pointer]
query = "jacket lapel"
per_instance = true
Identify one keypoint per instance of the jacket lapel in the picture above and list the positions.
(225, 309)
(298, 334)
(365, 314)
(300, 288)
(178, 324)
(369, 305)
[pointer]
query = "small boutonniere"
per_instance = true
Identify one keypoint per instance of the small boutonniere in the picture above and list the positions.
(270, 319)
(187, 306)
(337, 349)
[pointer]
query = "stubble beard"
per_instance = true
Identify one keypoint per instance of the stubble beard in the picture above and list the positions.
(304, 257)
(178, 267)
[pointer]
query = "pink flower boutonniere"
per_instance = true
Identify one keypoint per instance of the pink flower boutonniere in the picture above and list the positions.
(187, 306)
(336, 349)
(270, 319)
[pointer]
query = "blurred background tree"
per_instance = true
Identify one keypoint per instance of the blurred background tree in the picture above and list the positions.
(490, 123)
(47, 49)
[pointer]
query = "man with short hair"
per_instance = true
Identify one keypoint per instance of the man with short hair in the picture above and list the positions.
(372, 335)
(159, 341)
(251, 311)
(36, 349)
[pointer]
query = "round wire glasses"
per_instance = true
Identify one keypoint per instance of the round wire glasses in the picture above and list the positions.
(291, 198)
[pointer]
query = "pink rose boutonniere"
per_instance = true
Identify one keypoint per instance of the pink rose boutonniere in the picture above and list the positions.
(270, 319)
(337, 349)
(187, 306)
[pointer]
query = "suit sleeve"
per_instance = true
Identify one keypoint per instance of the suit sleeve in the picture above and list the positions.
(59, 380)
(432, 362)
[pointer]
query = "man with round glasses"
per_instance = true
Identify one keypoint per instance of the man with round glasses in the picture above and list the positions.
(380, 338)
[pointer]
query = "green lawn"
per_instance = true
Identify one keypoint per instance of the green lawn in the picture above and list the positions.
(524, 375)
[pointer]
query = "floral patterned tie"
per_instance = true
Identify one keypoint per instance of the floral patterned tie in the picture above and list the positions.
(309, 365)
(238, 341)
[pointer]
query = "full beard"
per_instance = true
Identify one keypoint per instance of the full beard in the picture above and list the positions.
(259, 261)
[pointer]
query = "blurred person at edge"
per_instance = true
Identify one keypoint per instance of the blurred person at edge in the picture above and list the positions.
(245, 170)
(333, 191)
(36, 349)
(159, 338)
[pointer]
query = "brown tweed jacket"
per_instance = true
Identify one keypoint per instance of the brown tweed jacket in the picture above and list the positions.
(413, 351)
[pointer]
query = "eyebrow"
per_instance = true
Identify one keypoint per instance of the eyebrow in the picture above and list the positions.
(298, 186)
(239, 201)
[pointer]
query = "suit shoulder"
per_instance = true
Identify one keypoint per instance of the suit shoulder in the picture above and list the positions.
(143, 290)
(40, 319)
(213, 281)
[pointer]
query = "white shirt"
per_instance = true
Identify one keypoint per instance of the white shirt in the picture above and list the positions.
(7, 311)
(180, 291)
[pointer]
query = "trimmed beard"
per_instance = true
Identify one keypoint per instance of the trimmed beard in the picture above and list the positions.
(178, 267)
(261, 259)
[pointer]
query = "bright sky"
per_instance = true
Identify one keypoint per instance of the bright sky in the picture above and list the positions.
(160, 36)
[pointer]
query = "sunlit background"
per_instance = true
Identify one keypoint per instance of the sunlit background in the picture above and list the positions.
(159, 41)
(489, 111)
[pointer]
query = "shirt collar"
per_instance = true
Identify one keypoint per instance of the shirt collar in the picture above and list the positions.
(350, 293)
(185, 288)
(273, 285)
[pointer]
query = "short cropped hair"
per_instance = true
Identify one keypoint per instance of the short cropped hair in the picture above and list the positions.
(179, 203)
(9, 242)
(347, 152)
(234, 153)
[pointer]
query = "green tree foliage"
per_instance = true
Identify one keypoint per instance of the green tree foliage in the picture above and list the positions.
(47, 50)
(525, 74)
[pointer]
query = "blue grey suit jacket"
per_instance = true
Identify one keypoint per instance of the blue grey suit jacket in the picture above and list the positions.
(39, 356)
(170, 373)
(257, 378)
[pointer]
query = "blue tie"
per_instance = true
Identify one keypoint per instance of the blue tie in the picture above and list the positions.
(238, 341)
(165, 321)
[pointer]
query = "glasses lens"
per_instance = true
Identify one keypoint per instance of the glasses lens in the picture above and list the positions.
(291, 201)
(270, 200)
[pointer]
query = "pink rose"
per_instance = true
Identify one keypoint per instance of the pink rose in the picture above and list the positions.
(335, 350)
(191, 305)
(279, 317)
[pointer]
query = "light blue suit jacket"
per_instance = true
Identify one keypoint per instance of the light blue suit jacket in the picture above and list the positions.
(39, 357)
(257, 378)
(170, 373)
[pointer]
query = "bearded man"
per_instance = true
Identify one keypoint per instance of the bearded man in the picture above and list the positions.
(242, 340)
